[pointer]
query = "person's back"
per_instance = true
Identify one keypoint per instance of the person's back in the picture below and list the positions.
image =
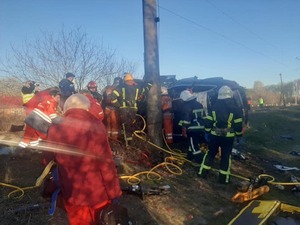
(88, 182)
(223, 109)
(223, 123)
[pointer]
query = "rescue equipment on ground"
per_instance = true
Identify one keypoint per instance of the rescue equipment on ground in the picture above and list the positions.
(257, 187)
(141, 192)
(259, 212)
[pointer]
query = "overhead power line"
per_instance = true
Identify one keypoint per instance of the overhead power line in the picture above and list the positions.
(221, 35)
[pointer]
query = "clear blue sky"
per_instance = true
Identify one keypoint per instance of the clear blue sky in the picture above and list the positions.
(241, 40)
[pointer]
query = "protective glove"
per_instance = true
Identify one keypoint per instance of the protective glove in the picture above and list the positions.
(239, 140)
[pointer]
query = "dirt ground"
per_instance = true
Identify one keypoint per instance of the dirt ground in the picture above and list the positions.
(187, 200)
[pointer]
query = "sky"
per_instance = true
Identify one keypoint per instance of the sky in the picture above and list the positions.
(240, 40)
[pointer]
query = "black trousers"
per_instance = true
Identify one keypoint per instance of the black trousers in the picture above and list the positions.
(225, 144)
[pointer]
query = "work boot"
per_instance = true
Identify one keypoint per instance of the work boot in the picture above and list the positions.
(203, 174)
(222, 179)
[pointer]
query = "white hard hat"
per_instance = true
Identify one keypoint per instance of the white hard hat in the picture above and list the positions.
(225, 92)
(187, 96)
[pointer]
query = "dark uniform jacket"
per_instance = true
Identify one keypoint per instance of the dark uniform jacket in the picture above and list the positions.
(192, 115)
(67, 88)
(225, 119)
(127, 95)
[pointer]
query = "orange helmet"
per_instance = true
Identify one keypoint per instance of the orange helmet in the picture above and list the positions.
(128, 76)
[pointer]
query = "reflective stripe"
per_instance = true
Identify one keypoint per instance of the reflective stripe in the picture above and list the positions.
(228, 132)
(116, 93)
(238, 120)
(169, 136)
(203, 166)
(136, 97)
(209, 118)
(239, 133)
(52, 116)
(123, 97)
(229, 120)
(226, 173)
(184, 122)
(198, 111)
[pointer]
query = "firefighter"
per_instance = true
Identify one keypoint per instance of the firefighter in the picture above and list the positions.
(67, 88)
(192, 121)
(166, 104)
(92, 87)
(223, 123)
(111, 114)
(126, 97)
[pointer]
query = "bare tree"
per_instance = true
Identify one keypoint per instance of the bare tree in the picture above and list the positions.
(50, 57)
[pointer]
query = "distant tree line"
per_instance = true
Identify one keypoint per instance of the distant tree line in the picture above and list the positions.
(279, 94)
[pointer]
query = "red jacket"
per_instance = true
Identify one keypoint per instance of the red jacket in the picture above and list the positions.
(85, 181)
(44, 102)
(95, 108)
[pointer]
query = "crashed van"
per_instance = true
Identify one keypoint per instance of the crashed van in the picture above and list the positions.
(206, 91)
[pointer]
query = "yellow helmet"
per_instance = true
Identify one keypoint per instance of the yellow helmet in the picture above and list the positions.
(128, 76)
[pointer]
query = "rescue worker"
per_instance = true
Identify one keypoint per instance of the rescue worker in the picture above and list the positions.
(92, 87)
(29, 89)
(223, 123)
(166, 105)
(67, 88)
(192, 121)
(90, 182)
(126, 97)
(41, 110)
(261, 102)
(111, 113)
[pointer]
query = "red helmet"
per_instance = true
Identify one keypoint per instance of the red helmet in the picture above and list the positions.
(92, 84)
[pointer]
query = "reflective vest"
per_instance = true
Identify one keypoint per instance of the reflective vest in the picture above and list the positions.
(27, 97)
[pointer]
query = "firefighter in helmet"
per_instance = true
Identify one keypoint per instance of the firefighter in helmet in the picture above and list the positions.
(92, 87)
(192, 121)
(126, 97)
(223, 123)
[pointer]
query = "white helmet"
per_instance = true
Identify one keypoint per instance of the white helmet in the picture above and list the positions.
(225, 92)
(187, 96)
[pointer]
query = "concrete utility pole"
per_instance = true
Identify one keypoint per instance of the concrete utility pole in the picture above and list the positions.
(151, 63)
(282, 94)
